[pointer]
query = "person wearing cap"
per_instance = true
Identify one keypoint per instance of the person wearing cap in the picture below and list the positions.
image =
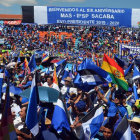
(66, 88)
(73, 97)
(116, 105)
(80, 108)
(130, 99)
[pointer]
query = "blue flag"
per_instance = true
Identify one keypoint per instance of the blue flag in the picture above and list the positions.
(123, 131)
(135, 91)
(92, 75)
(32, 63)
(128, 69)
(136, 73)
(59, 119)
(85, 86)
(60, 66)
(7, 74)
(66, 74)
(31, 118)
(60, 62)
(93, 122)
(18, 60)
(87, 64)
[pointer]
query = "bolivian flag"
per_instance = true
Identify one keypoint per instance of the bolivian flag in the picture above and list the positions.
(115, 71)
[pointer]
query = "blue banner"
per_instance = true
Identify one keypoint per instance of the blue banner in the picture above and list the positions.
(123, 17)
(90, 16)
(126, 50)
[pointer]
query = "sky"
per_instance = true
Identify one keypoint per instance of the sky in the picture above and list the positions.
(14, 6)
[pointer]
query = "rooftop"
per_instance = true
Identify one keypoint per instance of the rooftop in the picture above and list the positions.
(8, 17)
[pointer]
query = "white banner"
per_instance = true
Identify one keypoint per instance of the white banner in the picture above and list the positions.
(135, 19)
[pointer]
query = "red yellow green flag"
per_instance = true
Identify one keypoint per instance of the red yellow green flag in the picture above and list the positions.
(115, 71)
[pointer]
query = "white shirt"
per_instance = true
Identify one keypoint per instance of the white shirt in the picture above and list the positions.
(18, 123)
(55, 86)
(71, 90)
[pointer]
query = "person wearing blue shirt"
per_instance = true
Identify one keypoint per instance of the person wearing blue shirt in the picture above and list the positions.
(116, 105)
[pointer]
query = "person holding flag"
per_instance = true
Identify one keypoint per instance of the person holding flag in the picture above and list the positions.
(116, 105)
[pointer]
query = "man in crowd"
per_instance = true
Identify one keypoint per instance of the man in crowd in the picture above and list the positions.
(49, 83)
(23, 133)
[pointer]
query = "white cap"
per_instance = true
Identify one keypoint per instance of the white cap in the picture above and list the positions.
(73, 90)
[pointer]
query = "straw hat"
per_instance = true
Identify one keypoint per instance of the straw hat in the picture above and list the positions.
(138, 91)
(68, 79)
(135, 119)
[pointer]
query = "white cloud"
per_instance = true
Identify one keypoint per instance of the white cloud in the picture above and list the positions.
(20, 2)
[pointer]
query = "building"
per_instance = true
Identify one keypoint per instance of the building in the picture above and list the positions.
(5, 17)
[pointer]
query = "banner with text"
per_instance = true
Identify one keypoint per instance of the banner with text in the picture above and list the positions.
(126, 50)
(81, 16)
(15, 22)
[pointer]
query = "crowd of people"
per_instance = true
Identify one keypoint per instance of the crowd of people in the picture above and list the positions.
(58, 51)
